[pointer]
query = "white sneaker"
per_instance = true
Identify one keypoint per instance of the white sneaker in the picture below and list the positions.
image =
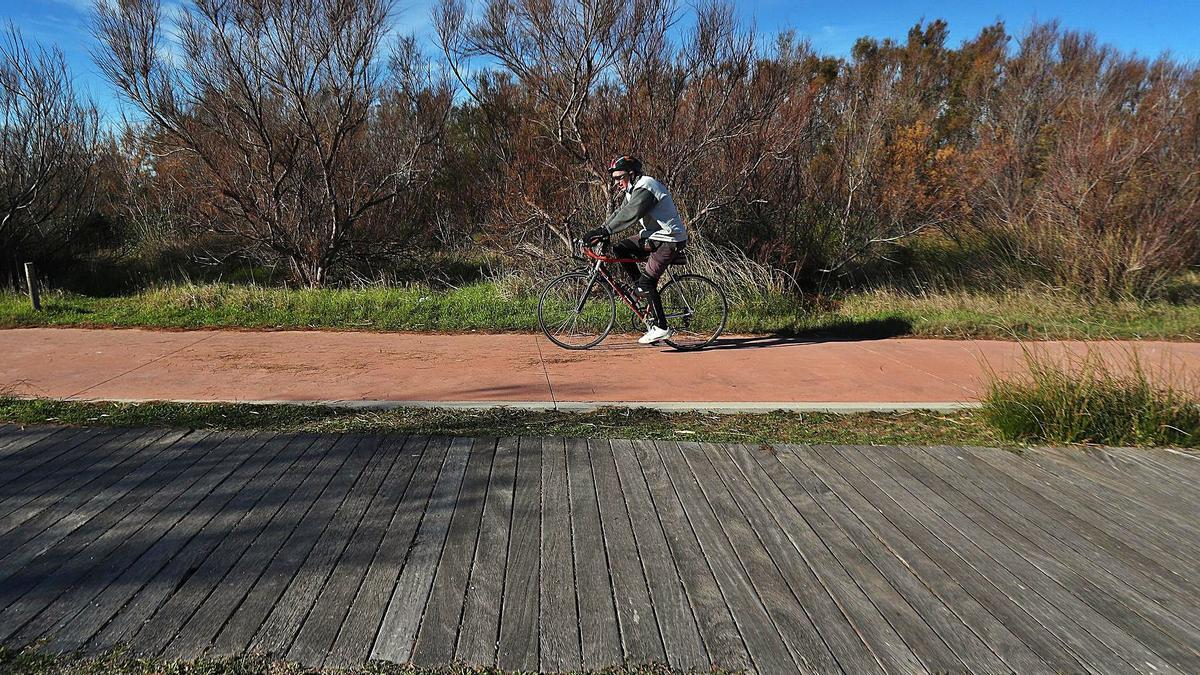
(655, 334)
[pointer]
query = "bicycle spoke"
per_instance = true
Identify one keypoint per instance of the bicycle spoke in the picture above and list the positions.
(576, 312)
(696, 310)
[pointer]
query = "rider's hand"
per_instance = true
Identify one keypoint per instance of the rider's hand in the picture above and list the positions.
(594, 235)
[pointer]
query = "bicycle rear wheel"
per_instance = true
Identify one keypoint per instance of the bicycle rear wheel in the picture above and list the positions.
(576, 311)
(696, 309)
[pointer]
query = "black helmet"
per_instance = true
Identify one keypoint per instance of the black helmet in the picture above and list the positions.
(626, 163)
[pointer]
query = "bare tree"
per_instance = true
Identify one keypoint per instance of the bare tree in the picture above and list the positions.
(560, 52)
(47, 149)
(289, 135)
(598, 78)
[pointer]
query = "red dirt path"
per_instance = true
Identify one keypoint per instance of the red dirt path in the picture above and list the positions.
(338, 366)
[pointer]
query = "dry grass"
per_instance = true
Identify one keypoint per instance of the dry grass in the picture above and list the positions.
(1085, 399)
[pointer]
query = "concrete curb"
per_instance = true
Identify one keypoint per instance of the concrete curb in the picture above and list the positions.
(587, 406)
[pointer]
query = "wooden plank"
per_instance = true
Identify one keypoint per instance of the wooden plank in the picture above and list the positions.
(641, 638)
(1151, 623)
(438, 632)
(89, 460)
(186, 580)
(897, 658)
(1117, 607)
(41, 457)
(480, 629)
(1154, 544)
(1127, 562)
(27, 475)
(292, 495)
(46, 520)
(599, 636)
(1134, 476)
(342, 466)
(281, 626)
(795, 626)
(39, 593)
(323, 573)
(1000, 642)
(1157, 519)
(398, 631)
(10, 434)
(934, 632)
(329, 563)
(67, 579)
(1135, 534)
(761, 638)
(801, 556)
(87, 502)
(249, 513)
(64, 561)
(1173, 507)
(1093, 637)
(25, 441)
(353, 644)
(1180, 463)
(517, 648)
(722, 640)
(918, 528)
(111, 563)
(185, 545)
(60, 491)
(329, 612)
(680, 632)
(558, 620)
(1170, 471)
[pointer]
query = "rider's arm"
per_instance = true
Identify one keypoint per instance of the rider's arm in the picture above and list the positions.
(639, 204)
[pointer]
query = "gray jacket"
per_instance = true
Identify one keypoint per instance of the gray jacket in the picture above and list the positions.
(648, 202)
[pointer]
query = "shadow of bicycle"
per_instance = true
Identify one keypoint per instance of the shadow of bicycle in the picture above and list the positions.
(843, 331)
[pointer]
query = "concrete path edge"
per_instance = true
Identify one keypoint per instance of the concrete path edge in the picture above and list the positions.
(588, 406)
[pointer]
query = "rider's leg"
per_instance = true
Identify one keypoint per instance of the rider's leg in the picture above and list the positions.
(630, 248)
(660, 316)
(657, 264)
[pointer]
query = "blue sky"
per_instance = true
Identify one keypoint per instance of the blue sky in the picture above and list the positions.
(1149, 27)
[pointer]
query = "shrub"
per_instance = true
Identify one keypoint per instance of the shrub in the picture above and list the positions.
(1086, 400)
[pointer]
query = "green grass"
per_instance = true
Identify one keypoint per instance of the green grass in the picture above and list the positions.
(1085, 400)
(911, 428)
(498, 308)
(1027, 314)
(33, 662)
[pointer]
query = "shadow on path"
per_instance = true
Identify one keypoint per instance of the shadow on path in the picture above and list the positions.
(845, 331)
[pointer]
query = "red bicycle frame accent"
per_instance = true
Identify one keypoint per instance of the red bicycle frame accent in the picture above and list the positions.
(599, 269)
(606, 259)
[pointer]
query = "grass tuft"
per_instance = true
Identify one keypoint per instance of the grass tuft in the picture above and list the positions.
(1086, 400)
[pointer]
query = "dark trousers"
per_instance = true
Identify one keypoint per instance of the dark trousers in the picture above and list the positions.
(657, 256)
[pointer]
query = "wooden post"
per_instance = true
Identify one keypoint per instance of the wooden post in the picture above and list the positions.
(31, 280)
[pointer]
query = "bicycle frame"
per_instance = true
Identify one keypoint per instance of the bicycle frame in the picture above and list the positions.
(598, 271)
(684, 311)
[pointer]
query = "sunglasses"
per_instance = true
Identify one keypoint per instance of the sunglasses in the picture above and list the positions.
(616, 178)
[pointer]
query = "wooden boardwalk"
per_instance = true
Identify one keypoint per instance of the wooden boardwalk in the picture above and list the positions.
(554, 554)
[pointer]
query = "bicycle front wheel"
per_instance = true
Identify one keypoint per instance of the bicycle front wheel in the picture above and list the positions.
(576, 311)
(696, 309)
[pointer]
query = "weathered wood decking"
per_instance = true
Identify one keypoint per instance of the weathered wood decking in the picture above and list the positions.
(565, 554)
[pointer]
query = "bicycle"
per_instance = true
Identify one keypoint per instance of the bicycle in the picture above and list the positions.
(577, 310)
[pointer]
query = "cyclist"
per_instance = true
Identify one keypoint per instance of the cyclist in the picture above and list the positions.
(663, 235)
